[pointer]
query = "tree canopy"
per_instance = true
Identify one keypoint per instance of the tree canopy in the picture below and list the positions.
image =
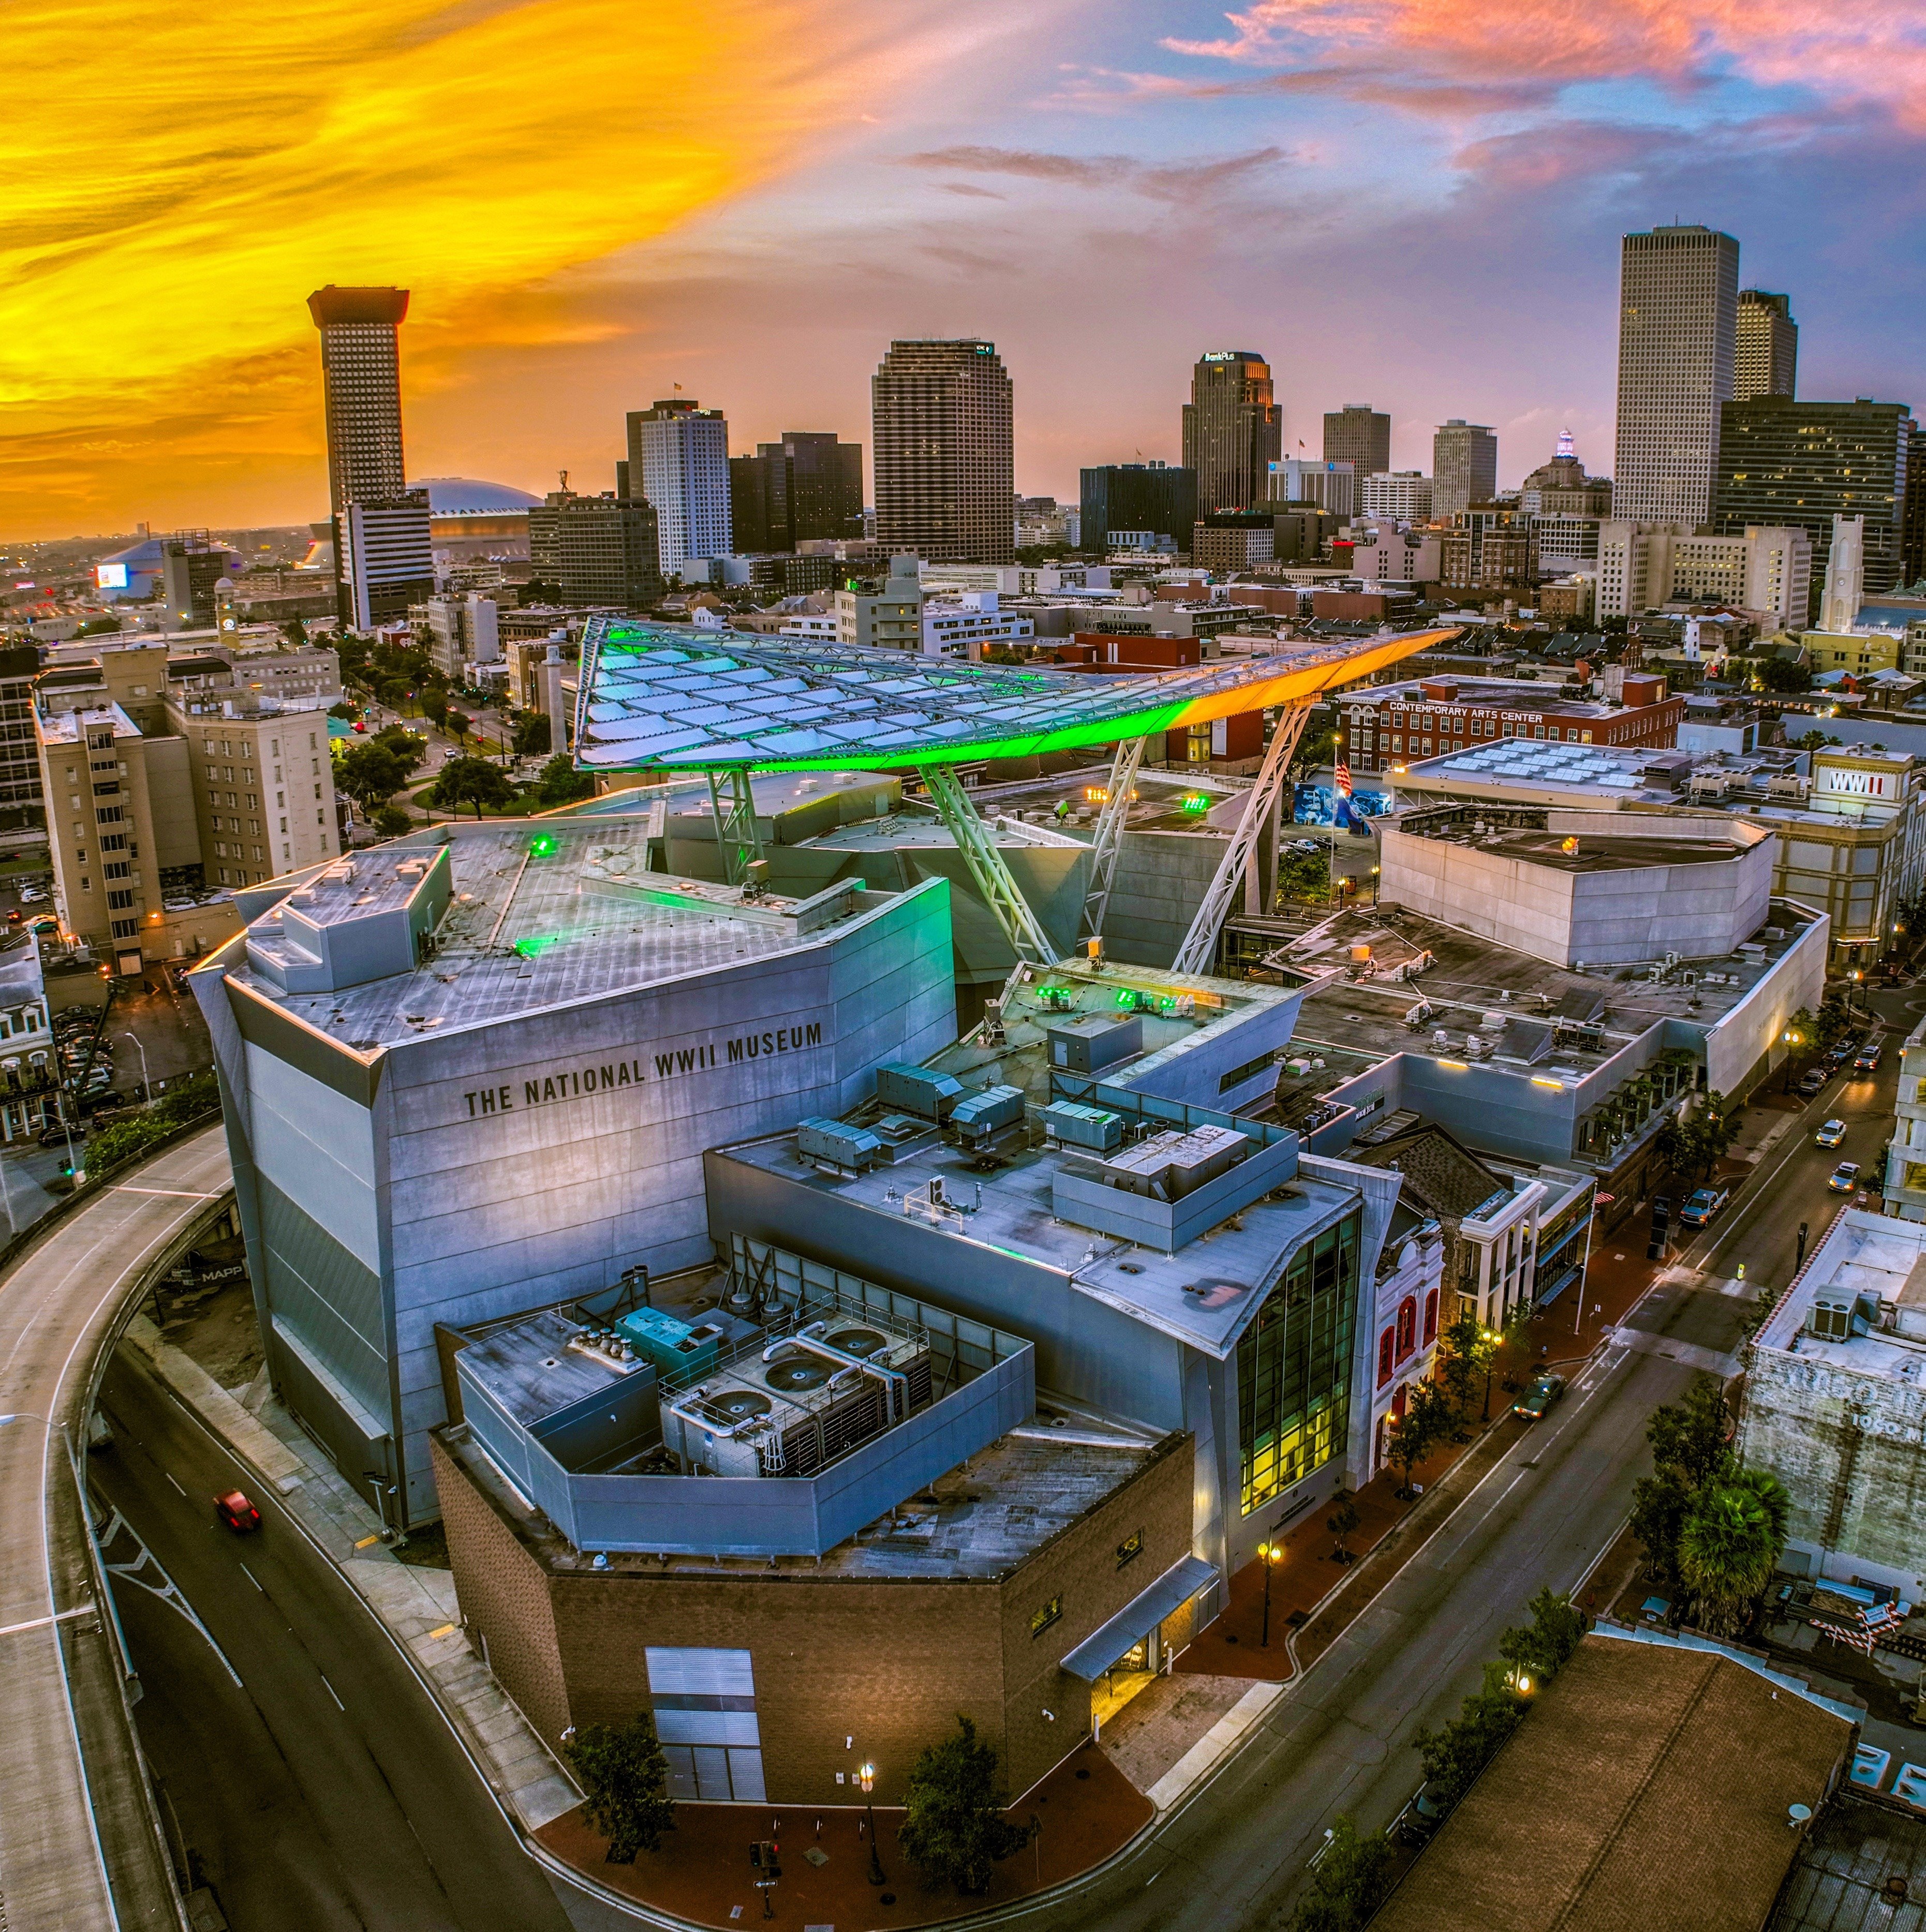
(475, 781)
(1730, 1544)
(370, 773)
(625, 1780)
(952, 1826)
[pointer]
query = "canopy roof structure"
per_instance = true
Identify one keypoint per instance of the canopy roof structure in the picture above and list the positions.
(654, 697)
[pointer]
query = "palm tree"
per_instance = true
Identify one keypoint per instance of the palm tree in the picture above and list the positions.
(1730, 1541)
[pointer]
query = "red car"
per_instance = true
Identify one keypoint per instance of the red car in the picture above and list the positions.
(237, 1512)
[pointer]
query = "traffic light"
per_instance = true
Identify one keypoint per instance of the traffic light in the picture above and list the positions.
(755, 1855)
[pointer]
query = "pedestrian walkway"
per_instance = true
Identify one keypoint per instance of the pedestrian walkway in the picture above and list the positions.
(1082, 1813)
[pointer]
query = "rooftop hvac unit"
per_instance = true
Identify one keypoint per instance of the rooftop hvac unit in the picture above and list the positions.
(982, 1114)
(837, 1144)
(930, 1096)
(1071, 1124)
(1094, 1041)
(1832, 1320)
(674, 1347)
(1792, 787)
(1167, 1166)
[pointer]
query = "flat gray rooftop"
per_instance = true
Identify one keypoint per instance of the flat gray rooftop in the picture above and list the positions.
(978, 1521)
(1352, 1023)
(1606, 853)
(1865, 1253)
(580, 918)
(1242, 1257)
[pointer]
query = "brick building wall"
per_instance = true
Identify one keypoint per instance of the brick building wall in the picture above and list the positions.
(1851, 1450)
(890, 1662)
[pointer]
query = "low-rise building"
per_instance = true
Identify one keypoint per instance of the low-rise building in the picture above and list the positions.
(1389, 727)
(971, 626)
(1403, 495)
(1835, 1402)
(1233, 540)
(883, 614)
(1766, 569)
(1905, 1188)
(1851, 821)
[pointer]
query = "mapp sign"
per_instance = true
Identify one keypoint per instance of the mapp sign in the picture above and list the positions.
(601, 1076)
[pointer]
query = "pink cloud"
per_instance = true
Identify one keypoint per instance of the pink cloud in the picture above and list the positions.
(1868, 52)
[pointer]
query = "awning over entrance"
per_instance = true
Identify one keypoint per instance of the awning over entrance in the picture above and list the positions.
(1139, 1617)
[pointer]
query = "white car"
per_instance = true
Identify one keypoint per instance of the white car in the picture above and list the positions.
(1831, 1135)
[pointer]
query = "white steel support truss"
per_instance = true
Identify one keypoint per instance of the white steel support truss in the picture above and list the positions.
(1109, 840)
(993, 878)
(734, 809)
(1199, 953)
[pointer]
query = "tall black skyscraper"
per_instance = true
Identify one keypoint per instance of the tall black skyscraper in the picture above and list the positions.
(808, 486)
(1140, 497)
(1232, 430)
(1781, 461)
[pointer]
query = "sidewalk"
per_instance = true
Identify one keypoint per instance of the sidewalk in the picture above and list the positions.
(1087, 1808)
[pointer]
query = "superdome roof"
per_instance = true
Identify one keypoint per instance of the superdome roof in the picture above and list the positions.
(145, 555)
(467, 496)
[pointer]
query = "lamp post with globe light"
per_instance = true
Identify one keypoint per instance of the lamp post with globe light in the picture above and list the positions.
(1269, 1554)
(866, 1777)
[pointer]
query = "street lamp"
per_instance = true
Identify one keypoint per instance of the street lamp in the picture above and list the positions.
(1268, 1554)
(1491, 1339)
(866, 1777)
(1375, 871)
(145, 1082)
(1793, 1040)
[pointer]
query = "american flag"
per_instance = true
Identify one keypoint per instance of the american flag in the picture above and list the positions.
(1343, 777)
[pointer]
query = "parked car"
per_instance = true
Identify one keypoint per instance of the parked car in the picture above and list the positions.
(1702, 1204)
(1866, 1059)
(1831, 1135)
(31, 895)
(1844, 1178)
(55, 1135)
(1843, 1052)
(237, 1512)
(1536, 1402)
(1812, 1081)
(1422, 1817)
(100, 1100)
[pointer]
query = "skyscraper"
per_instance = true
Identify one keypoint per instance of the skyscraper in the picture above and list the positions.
(379, 575)
(809, 486)
(1232, 430)
(1137, 503)
(679, 457)
(945, 473)
(1765, 355)
(1803, 463)
(1677, 319)
(1360, 435)
(1464, 467)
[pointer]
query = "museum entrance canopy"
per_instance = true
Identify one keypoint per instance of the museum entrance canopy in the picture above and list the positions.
(655, 698)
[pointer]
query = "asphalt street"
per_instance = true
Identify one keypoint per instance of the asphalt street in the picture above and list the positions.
(324, 1790)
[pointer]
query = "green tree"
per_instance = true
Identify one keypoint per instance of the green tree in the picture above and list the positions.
(1461, 1359)
(401, 744)
(1429, 1419)
(459, 723)
(295, 632)
(472, 782)
(625, 1780)
(1659, 1504)
(561, 783)
(1454, 1753)
(1729, 1544)
(344, 709)
(98, 627)
(532, 735)
(1343, 1523)
(1541, 1649)
(434, 705)
(390, 821)
(1349, 1883)
(1813, 741)
(1692, 1434)
(952, 1826)
(370, 773)
(1782, 674)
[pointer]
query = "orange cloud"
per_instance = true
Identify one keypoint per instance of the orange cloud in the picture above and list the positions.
(1874, 53)
(180, 178)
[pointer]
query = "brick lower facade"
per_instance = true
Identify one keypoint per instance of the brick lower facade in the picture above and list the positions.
(888, 1662)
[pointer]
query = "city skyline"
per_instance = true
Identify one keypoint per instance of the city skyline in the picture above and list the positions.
(891, 184)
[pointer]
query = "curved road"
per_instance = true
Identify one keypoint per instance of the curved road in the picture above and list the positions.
(59, 1661)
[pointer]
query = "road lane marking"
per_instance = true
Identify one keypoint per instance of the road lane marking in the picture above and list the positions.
(182, 1193)
(170, 1479)
(252, 1578)
(41, 1623)
(331, 1692)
